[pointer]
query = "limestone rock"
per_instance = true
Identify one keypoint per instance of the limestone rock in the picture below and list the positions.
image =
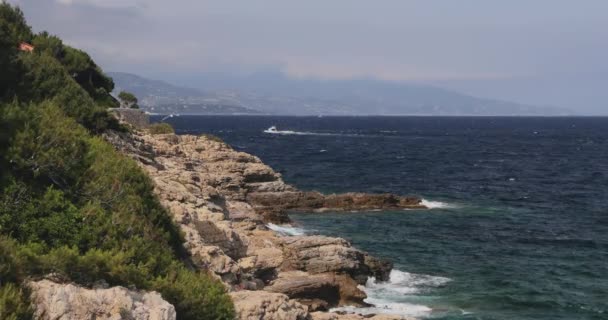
(319, 254)
(256, 305)
(335, 289)
(54, 301)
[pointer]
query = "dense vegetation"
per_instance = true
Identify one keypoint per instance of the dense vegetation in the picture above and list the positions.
(69, 204)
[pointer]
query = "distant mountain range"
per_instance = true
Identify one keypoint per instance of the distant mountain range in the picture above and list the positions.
(276, 93)
(160, 97)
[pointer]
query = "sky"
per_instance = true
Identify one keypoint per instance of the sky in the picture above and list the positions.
(474, 46)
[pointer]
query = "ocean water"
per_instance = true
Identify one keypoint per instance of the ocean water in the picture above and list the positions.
(519, 225)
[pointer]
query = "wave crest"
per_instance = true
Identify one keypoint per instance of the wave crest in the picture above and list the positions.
(286, 230)
(391, 297)
(436, 204)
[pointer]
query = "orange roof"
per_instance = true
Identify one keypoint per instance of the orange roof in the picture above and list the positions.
(26, 47)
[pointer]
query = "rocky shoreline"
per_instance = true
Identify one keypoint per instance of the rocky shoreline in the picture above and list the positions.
(222, 199)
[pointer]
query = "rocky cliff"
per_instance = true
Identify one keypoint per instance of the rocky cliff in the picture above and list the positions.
(221, 200)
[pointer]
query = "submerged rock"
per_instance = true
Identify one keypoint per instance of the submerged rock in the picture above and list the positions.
(275, 205)
(55, 301)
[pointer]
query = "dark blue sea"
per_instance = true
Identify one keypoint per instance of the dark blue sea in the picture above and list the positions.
(519, 225)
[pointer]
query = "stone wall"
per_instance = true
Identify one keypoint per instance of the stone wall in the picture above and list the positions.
(134, 117)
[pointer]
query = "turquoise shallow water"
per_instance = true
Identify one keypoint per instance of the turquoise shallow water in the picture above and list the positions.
(520, 228)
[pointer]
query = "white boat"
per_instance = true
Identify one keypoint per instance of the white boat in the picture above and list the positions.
(272, 129)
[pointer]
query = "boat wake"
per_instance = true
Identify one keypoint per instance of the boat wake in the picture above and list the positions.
(286, 230)
(274, 130)
(392, 297)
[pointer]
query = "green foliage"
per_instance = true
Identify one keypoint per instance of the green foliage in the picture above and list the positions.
(13, 303)
(76, 207)
(69, 203)
(13, 30)
(78, 65)
(15, 27)
(196, 294)
(128, 100)
(46, 78)
(53, 71)
(49, 146)
(160, 128)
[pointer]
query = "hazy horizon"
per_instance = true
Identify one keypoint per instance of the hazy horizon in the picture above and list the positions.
(545, 52)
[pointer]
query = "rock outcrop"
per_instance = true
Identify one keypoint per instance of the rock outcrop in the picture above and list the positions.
(56, 301)
(221, 200)
(274, 205)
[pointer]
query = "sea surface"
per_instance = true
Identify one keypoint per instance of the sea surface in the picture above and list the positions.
(519, 222)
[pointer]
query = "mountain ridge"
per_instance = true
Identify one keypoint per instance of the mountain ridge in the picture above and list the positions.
(278, 94)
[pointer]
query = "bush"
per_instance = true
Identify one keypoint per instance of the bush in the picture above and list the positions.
(195, 295)
(13, 303)
(160, 128)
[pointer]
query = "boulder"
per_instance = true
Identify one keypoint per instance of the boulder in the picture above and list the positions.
(55, 301)
(380, 269)
(319, 254)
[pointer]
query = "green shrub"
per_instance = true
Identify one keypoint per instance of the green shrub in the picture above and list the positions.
(195, 295)
(13, 303)
(160, 128)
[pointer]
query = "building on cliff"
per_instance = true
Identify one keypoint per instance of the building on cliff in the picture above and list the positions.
(23, 46)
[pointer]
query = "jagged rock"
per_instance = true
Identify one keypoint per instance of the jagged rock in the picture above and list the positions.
(222, 235)
(335, 289)
(54, 301)
(256, 305)
(380, 269)
(213, 259)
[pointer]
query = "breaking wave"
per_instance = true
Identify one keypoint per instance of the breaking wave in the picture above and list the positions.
(436, 204)
(286, 230)
(392, 297)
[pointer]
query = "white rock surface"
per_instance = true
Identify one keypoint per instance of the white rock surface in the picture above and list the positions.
(55, 301)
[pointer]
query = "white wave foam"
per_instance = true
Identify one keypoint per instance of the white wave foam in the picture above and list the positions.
(391, 297)
(286, 230)
(436, 204)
